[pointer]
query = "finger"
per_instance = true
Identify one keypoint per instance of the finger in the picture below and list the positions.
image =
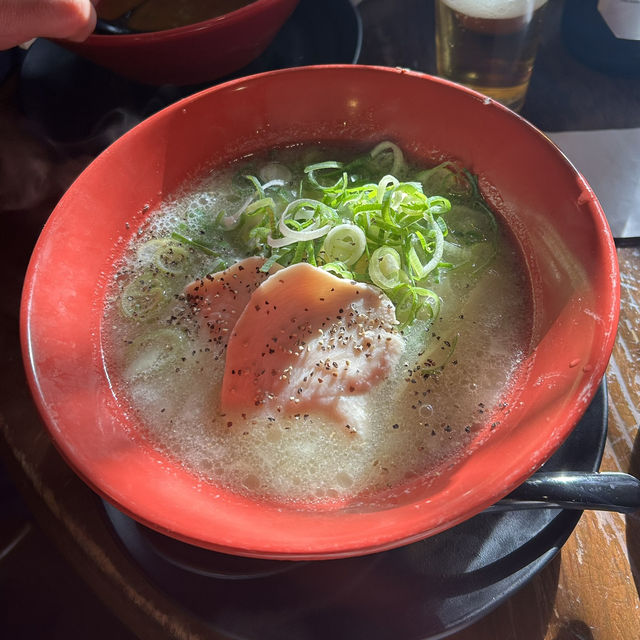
(68, 19)
(22, 20)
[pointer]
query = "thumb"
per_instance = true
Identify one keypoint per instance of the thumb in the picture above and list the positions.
(22, 20)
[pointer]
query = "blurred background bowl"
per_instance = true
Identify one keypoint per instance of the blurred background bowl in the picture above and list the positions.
(551, 210)
(191, 54)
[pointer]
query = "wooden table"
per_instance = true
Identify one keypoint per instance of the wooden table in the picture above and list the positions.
(589, 591)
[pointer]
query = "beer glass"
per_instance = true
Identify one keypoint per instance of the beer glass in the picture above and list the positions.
(489, 45)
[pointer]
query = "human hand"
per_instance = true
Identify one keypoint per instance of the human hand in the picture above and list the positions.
(23, 20)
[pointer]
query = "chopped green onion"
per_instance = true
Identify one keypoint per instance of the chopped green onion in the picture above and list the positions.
(167, 254)
(414, 303)
(345, 243)
(144, 297)
(383, 186)
(259, 205)
(232, 221)
(306, 209)
(269, 262)
(339, 269)
(371, 220)
(256, 183)
(398, 157)
(195, 244)
(437, 252)
(385, 267)
(311, 169)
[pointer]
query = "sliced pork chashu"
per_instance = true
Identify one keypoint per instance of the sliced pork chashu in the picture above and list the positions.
(308, 342)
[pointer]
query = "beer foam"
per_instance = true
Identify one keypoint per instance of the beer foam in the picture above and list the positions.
(495, 9)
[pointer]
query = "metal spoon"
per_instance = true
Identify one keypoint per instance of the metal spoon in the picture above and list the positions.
(610, 491)
(118, 26)
(115, 27)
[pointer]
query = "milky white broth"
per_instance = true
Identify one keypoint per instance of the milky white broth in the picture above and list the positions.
(415, 422)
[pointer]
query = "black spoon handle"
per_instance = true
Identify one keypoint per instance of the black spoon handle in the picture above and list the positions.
(575, 490)
(115, 28)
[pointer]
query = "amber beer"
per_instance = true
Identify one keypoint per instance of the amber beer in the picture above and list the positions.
(489, 45)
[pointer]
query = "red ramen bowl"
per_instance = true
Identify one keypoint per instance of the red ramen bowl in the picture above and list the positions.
(198, 52)
(551, 210)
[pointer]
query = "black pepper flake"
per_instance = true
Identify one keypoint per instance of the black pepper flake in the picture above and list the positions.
(396, 426)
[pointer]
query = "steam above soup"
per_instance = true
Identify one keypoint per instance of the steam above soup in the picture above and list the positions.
(319, 324)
